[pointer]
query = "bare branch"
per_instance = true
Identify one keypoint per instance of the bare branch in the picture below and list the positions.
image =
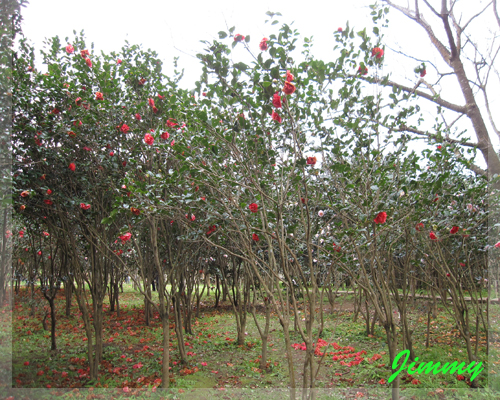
(445, 53)
(432, 9)
(475, 16)
(458, 30)
(447, 28)
(414, 58)
(495, 11)
(435, 99)
(478, 170)
(434, 136)
(473, 167)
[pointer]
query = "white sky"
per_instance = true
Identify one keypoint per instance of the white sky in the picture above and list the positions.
(175, 28)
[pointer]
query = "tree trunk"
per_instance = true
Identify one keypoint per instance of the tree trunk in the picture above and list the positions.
(68, 294)
(178, 330)
(115, 299)
(52, 325)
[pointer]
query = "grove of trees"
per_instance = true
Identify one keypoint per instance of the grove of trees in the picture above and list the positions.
(277, 179)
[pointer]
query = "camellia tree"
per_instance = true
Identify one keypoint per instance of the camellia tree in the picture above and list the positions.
(78, 129)
(281, 172)
(252, 147)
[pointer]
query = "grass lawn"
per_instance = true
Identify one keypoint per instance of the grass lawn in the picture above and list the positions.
(217, 366)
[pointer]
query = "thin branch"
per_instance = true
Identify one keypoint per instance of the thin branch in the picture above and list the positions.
(495, 11)
(414, 58)
(447, 28)
(445, 53)
(433, 136)
(435, 99)
(477, 15)
(432, 9)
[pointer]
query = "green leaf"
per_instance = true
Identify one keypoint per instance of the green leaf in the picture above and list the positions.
(222, 35)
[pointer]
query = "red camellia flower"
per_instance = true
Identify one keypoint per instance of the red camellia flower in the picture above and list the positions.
(69, 49)
(25, 193)
(88, 61)
(151, 102)
(71, 133)
(497, 245)
(422, 73)
(124, 128)
(135, 211)
(380, 218)
(289, 76)
(79, 123)
(99, 96)
(49, 192)
(138, 116)
(419, 226)
(111, 153)
(377, 52)
(48, 202)
(253, 207)
(142, 81)
(433, 236)
(255, 237)
(72, 167)
(304, 201)
(461, 377)
(118, 61)
(149, 139)
(339, 30)
(84, 53)
(125, 237)
(362, 70)
(211, 230)
(276, 117)
(277, 100)
(439, 147)
(263, 44)
(165, 135)
(238, 37)
(289, 88)
(171, 124)
(311, 160)
(155, 110)
(39, 253)
(454, 230)
(161, 97)
(84, 206)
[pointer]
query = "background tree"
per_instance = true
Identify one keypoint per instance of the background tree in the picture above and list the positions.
(469, 65)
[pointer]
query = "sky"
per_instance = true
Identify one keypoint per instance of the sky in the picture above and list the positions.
(174, 29)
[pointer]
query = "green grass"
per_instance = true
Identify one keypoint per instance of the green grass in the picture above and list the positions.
(229, 367)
